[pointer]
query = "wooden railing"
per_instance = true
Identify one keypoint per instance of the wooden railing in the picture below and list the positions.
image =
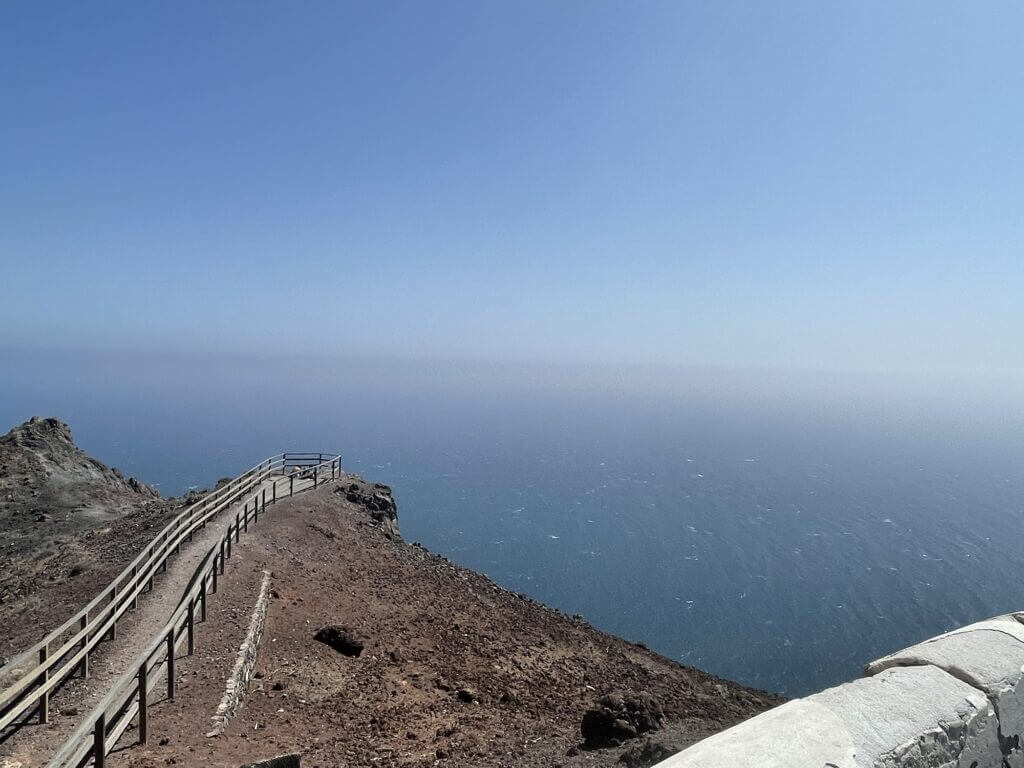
(66, 649)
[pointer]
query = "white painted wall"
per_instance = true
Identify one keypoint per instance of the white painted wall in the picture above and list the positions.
(954, 701)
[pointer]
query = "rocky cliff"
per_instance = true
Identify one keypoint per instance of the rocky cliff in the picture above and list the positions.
(376, 499)
(41, 466)
(68, 523)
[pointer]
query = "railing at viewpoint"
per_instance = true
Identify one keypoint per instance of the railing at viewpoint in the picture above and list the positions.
(65, 649)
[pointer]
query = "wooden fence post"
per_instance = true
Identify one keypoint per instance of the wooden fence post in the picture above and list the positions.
(170, 665)
(245, 517)
(143, 704)
(291, 485)
(44, 702)
(215, 567)
(191, 626)
(113, 627)
(238, 529)
(99, 741)
(84, 667)
(274, 499)
(135, 600)
(202, 595)
(315, 469)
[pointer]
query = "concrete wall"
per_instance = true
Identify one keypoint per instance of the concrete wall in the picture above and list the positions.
(954, 701)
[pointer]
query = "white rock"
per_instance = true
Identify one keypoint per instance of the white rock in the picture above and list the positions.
(989, 656)
(916, 717)
(798, 733)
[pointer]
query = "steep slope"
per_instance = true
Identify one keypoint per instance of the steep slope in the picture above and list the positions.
(377, 652)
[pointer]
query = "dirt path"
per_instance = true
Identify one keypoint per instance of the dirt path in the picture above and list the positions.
(33, 743)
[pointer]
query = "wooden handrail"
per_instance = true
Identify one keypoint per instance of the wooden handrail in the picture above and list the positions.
(95, 601)
(99, 732)
(32, 687)
(143, 567)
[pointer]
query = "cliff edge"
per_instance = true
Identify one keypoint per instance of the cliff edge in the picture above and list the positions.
(377, 652)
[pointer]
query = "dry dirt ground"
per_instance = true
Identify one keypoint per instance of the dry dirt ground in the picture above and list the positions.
(430, 629)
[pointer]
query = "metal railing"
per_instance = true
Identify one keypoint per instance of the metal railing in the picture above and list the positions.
(66, 649)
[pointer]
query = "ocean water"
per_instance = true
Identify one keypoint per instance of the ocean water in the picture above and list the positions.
(777, 530)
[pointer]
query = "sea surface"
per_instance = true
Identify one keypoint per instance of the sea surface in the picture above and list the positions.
(778, 530)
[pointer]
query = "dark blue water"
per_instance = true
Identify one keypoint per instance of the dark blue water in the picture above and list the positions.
(780, 531)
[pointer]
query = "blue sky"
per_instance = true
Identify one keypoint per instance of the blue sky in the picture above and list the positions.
(811, 185)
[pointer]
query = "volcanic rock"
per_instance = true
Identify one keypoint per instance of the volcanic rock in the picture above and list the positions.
(618, 717)
(376, 499)
(341, 639)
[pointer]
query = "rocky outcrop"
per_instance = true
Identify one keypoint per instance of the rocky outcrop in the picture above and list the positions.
(68, 524)
(39, 459)
(618, 717)
(375, 498)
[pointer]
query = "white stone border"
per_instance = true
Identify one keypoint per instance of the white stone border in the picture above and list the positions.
(953, 701)
(245, 661)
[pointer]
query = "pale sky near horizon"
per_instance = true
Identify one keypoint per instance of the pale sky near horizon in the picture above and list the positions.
(813, 185)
